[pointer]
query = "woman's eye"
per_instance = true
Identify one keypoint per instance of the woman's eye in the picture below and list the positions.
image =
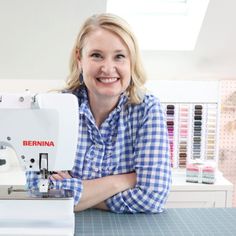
(120, 56)
(96, 55)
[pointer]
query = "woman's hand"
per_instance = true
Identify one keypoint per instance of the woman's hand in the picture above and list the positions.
(60, 175)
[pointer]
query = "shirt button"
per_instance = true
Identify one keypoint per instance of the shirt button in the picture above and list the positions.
(109, 154)
(96, 169)
(97, 146)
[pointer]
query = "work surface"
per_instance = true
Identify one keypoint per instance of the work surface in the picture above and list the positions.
(211, 221)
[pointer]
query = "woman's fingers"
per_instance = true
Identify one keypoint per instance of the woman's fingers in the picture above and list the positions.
(60, 175)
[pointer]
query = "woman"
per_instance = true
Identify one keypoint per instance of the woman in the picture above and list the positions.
(122, 162)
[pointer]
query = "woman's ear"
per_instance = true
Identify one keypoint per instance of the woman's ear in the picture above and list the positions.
(77, 54)
(78, 57)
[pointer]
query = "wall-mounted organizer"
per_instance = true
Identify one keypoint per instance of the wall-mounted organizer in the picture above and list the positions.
(193, 130)
(192, 113)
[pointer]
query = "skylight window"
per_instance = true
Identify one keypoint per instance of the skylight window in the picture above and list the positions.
(162, 24)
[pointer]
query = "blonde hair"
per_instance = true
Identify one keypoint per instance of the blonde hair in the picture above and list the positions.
(116, 25)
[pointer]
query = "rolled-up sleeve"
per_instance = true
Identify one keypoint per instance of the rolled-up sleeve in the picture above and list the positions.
(152, 166)
(73, 184)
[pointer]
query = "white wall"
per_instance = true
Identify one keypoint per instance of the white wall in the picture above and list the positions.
(38, 35)
(189, 91)
(32, 85)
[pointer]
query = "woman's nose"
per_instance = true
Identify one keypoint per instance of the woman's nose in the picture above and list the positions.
(108, 66)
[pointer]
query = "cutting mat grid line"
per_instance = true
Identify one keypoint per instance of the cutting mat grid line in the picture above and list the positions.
(214, 221)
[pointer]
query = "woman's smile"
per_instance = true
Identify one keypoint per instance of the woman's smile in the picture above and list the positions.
(108, 80)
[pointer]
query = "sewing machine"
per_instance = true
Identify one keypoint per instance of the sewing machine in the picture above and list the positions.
(42, 129)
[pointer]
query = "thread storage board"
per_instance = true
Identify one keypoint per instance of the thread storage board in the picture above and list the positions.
(188, 221)
(192, 113)
(227, 145)
(192, 129)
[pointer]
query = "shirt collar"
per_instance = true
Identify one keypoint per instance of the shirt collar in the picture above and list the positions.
(82, 95)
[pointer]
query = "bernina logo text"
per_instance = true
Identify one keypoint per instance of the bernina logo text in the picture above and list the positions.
(33, 143)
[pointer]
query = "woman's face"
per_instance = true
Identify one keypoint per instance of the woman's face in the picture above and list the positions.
(105, 62)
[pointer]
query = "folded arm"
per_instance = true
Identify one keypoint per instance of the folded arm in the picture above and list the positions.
(96, 191)
(87, 193)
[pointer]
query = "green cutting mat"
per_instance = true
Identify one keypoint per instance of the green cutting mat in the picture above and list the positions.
(211, 221)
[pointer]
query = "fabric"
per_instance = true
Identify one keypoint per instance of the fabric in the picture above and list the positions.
(132, 138)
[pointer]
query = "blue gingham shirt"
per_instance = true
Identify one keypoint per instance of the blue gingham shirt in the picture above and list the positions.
(132, 138)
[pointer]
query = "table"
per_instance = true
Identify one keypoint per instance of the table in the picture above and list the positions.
(185, 221)
(197, 195)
